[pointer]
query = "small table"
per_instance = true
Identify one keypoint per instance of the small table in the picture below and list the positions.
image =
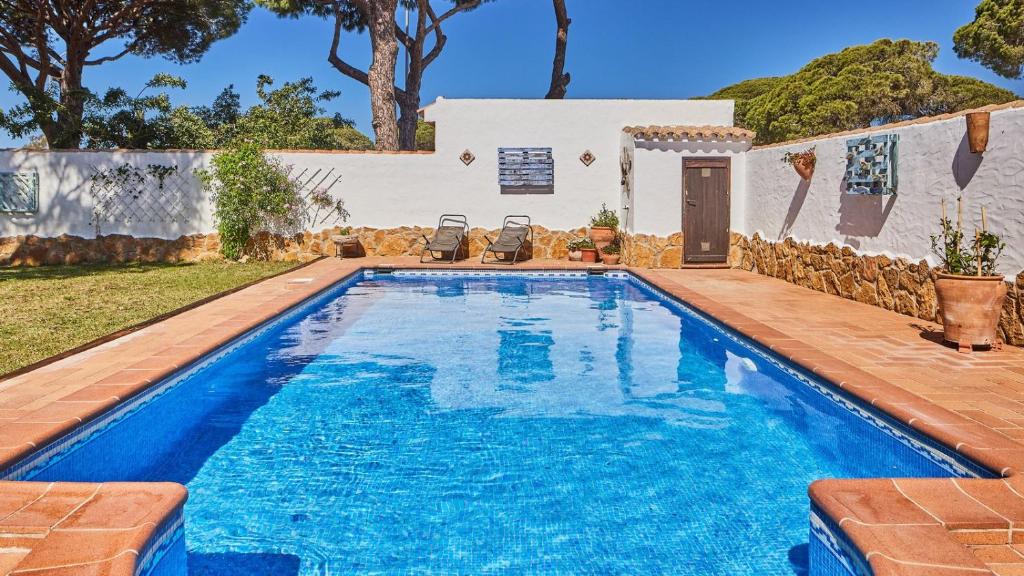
(340, 242)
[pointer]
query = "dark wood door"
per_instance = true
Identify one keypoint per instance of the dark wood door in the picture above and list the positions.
(705, 210)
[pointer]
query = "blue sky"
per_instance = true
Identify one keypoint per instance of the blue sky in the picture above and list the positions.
(651, 49)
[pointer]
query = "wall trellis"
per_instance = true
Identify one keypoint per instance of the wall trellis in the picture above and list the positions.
(128, 194)
(19, 192)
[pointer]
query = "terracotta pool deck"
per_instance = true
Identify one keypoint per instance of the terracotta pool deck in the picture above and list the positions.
(972, 403)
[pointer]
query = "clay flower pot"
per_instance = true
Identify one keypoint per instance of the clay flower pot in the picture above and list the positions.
(589, 254)
(969, 307)
(610, 259)
(575, 255)
(977, 131)
(804, 168)
(602, 236)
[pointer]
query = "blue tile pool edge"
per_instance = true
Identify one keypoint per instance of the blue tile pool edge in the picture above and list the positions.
(835, 553)
(168, 542)
(163, 553)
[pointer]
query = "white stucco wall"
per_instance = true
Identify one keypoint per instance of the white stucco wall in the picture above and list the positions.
(387, 190)
(658, 182)
(934, 163)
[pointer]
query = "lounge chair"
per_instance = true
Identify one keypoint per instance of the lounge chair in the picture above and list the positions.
(515, 238)
(451, 236)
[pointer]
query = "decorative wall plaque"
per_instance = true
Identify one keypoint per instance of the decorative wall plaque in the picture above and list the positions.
(871, 164)
(19, 192)
(467, 157)
(525, 167)
(587, 158)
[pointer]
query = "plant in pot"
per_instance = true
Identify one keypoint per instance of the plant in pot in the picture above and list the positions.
(603, 227)
(611, 253)
(803, 162)
(969, 291)
(586, 248)
(575, 247)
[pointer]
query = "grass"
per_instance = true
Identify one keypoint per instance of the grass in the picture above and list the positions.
(48, 310)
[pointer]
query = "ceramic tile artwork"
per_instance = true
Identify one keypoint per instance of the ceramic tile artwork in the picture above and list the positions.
(871, 164)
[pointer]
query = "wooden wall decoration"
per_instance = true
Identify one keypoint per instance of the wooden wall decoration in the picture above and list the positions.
(19, 192)
(871, 163)
(525, 167)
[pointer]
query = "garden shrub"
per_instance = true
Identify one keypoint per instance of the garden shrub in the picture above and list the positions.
(251, 192)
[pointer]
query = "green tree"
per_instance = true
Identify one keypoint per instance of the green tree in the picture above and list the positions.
(995, 38)
(424, 136)
(290, 117)
(857, 87)
(46, 46)
(119, 120)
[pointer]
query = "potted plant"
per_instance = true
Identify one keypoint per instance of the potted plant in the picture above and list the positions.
(969, 291)
(803, 162)
(611, 253)
(586, 248)
(575, 247)
(603, 227)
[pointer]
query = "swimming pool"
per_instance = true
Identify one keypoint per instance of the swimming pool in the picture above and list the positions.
(480, 423)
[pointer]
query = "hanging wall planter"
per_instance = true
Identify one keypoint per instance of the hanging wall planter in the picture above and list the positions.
(802, 162)
(977, 131)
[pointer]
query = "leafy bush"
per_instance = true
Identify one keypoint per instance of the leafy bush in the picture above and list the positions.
(605, 219)
(580, 244)
(251, 192)
(957, 258)
(615, 246)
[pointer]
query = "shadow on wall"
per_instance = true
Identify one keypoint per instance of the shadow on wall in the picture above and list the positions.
(68, 209)
(795, 205)
(965, 163)
(73, 210)
(862, 215)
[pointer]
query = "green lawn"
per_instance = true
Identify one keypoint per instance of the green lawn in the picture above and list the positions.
(47, 310)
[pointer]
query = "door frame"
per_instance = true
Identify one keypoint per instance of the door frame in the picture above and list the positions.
(708, 162)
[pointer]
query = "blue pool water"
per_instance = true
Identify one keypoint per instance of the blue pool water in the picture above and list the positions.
(513, 425)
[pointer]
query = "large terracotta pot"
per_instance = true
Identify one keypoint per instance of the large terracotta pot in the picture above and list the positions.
(602, 236)
(589, 255)
(977, 131)
(969, 307)
(804, 169)
(610, 259)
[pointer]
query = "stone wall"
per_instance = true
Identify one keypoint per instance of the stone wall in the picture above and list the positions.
(403, 241)
(891, 283)
(649, 251)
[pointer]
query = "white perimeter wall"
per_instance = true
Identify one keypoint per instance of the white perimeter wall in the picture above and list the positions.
(934, 162)
(388, 190)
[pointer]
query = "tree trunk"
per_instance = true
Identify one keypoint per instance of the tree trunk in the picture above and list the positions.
(68, 133)
(382, 72)
(408, 122)
(409, 99)
(559, 79)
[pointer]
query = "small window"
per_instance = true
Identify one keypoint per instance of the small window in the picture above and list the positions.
(526, 171)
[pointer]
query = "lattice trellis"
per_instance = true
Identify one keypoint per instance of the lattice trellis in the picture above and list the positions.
(129, 194)
(317, 207)
(19, 192)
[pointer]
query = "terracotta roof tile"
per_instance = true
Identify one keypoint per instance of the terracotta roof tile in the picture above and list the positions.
(705, 133)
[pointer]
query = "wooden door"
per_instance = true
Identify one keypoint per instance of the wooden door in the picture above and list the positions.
(706, 210)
